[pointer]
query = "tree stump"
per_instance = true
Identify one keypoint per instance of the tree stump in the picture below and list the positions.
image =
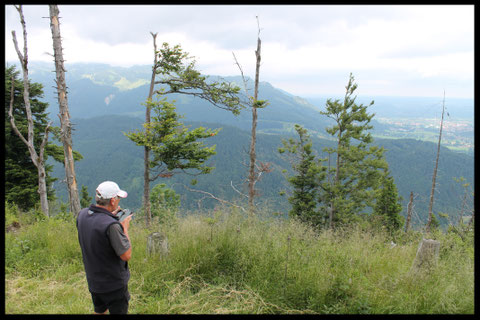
(157, 243)
(427, 255)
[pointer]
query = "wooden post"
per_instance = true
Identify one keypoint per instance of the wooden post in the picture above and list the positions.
(427, 255)
(157, 243)
(409, 212)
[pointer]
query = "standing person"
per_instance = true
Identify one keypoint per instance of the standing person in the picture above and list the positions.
(106, 249)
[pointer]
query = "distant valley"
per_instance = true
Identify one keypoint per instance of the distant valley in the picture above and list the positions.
(105, 101)
(99, 89)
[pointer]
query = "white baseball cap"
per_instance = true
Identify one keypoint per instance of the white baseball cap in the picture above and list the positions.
(109, 190)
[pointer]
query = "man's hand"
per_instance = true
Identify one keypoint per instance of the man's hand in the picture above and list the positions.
(116, 210)
(126, 223)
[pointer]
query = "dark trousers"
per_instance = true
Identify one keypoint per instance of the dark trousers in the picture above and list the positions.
(116, 301)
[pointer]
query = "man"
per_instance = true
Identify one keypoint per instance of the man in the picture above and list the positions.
(106, 249)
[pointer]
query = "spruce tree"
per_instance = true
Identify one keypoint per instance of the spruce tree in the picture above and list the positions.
(359, 166)
(176, 73)
(388, 206)
(85, 199)
(174, 147)
(305, 182)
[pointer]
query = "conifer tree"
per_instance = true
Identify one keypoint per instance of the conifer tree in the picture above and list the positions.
(85, 199)
(177, 73)
(388, 205)
(359, 167)
(306, 181)
(174, 148)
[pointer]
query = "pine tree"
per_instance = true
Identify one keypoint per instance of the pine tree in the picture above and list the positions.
(306, 181)
(177, 74)
(388, 206)
(359, 167)
(85, 199)
(174, 147)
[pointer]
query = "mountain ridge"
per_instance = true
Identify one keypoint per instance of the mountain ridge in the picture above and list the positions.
(109, 155)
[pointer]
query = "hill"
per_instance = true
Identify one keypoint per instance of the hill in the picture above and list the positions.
(109, 155)
(100, 89)
(106, 100)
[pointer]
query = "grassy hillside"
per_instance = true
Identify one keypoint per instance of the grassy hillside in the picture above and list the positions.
(225, 263)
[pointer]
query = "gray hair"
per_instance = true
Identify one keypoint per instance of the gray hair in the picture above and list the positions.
(101, 201)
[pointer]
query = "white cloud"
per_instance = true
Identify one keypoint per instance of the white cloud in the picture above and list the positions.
(390, 46)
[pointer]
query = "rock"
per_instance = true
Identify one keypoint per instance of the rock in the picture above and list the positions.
(157, 243)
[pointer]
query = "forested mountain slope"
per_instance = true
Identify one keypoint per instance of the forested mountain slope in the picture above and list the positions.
(109, 155)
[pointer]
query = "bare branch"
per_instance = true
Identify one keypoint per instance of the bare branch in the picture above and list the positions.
(12, 119)
(45, 140)
(214, 197)
(243, 77)
(233, 187)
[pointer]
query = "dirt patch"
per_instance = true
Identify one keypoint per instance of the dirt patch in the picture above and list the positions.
(13, 227)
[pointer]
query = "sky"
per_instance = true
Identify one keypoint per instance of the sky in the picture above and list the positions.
(307, 50)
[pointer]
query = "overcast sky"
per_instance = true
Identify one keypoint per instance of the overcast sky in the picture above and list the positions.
(306, 50)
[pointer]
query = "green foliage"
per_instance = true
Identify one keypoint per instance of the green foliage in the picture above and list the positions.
(306, 181)
(164, 203)
(359, 167)
(388, 206)
(174, 147)
(11, 215)
(56, 151)
(85, 199)
(164, 197)
(178, 73)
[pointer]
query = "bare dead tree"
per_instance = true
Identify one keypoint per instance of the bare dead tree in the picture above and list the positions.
(64, 115)
(254, 174)
(409, 212)
(252, 177)
(430, 207)
(37, 159)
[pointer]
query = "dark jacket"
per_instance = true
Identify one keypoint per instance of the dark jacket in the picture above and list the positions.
(104, 269)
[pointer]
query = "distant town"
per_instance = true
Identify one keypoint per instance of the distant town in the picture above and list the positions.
(456, 134)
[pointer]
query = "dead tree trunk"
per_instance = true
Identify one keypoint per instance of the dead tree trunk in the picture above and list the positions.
(332, 210)
(409, 212)
(430, 207)
(65, 125)
(146, 161)
(37, 159)
(252, 177)
(253, 174)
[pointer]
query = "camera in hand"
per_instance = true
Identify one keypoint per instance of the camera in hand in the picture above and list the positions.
(124, 213)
